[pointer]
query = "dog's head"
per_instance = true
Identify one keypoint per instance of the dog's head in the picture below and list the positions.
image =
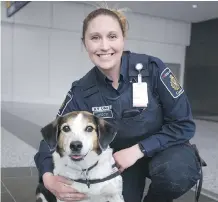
(77, 133)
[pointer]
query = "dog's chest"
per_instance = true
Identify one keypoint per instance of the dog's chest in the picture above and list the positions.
(109, 187)
(101, 188)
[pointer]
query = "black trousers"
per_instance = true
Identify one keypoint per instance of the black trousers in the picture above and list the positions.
(173, 172)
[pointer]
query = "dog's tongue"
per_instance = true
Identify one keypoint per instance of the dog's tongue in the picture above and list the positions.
(76, 157)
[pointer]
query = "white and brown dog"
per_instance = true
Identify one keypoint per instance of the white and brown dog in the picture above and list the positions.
(82, 154)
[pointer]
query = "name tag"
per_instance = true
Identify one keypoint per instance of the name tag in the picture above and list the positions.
(104, 114)
(140, 94)
(103, 111)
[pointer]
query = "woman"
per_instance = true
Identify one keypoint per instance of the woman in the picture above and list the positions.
(154, 117)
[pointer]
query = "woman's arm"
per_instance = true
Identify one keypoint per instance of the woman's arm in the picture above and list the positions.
(178, 126)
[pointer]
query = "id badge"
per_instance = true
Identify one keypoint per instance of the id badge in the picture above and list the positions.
(140, 94)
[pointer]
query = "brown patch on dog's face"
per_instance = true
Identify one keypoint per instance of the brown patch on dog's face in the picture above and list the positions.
(95, 142)
(60, 145)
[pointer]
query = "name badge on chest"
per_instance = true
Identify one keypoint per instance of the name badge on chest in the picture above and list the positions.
(140, 90)
(103, 111)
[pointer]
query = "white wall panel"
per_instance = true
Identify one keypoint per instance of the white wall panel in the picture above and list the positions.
(6, 62)
(35, 13)
(156, 29)
(65, 61)
(132, 45)
(177, 32)
(86, 63)
(152, 29)
(135, 24)
(68, 16)
(30, 63)
(166, 52)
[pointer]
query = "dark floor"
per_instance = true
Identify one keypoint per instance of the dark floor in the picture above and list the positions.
(18, 185)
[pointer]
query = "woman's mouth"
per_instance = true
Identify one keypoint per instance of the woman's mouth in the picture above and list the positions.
(105, 55)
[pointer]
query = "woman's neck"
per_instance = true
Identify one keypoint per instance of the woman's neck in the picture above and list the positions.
(113, 74)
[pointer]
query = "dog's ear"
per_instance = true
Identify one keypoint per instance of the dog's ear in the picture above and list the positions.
(50, 134)
(106, 133)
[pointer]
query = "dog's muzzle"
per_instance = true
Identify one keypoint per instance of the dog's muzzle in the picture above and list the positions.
(76, 146)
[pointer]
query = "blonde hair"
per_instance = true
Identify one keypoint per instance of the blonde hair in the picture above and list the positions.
(117, 14)
(122, 18)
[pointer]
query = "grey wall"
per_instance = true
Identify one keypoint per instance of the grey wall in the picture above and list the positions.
(201, 68)
(42, 53)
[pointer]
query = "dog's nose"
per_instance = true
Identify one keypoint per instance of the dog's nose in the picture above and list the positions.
(76, 146)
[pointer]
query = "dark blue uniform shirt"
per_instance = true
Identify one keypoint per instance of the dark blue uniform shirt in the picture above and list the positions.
(166, 121)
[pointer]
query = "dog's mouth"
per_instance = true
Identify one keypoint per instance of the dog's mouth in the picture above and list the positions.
(77, 157)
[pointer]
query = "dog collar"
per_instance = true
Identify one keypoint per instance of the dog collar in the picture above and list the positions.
(88, 182)
(90, 168)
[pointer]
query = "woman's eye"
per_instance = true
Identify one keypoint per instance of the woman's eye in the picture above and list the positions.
(113, 36)
(95, 38)
(89, 129)
(66, 129)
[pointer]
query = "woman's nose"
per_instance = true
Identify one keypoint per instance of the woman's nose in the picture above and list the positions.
(105, 44)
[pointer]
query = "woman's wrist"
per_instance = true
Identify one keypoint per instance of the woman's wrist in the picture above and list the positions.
(138, 151)
(46, 176)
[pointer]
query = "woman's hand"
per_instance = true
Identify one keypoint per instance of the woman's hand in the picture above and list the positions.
(127, 157)
(59, 186)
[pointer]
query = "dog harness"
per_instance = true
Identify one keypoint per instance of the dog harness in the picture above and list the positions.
(88, 181)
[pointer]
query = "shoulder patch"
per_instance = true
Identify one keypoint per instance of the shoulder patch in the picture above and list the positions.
(67, 100)
(171, 83)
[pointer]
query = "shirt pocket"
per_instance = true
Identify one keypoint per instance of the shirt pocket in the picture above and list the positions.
(144, 124)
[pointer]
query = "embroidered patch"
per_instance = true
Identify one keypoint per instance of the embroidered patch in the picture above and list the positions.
(171, 83)
(67, 100)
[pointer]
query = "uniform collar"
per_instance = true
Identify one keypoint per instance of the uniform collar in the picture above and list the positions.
(123, 71)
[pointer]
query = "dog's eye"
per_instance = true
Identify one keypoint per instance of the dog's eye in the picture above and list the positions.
(66, 129)
(89, 128)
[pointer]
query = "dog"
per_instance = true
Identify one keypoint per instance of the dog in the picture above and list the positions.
(81, 153)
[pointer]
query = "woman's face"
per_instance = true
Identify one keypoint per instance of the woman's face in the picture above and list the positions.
(104, 42)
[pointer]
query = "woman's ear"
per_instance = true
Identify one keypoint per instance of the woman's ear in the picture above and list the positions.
(83, 42)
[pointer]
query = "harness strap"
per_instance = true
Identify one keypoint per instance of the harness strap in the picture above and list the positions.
(199, 186)
(90, 168)
(202, 164)
(88, 182)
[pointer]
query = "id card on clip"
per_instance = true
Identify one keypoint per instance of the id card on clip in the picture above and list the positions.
(140, 94)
